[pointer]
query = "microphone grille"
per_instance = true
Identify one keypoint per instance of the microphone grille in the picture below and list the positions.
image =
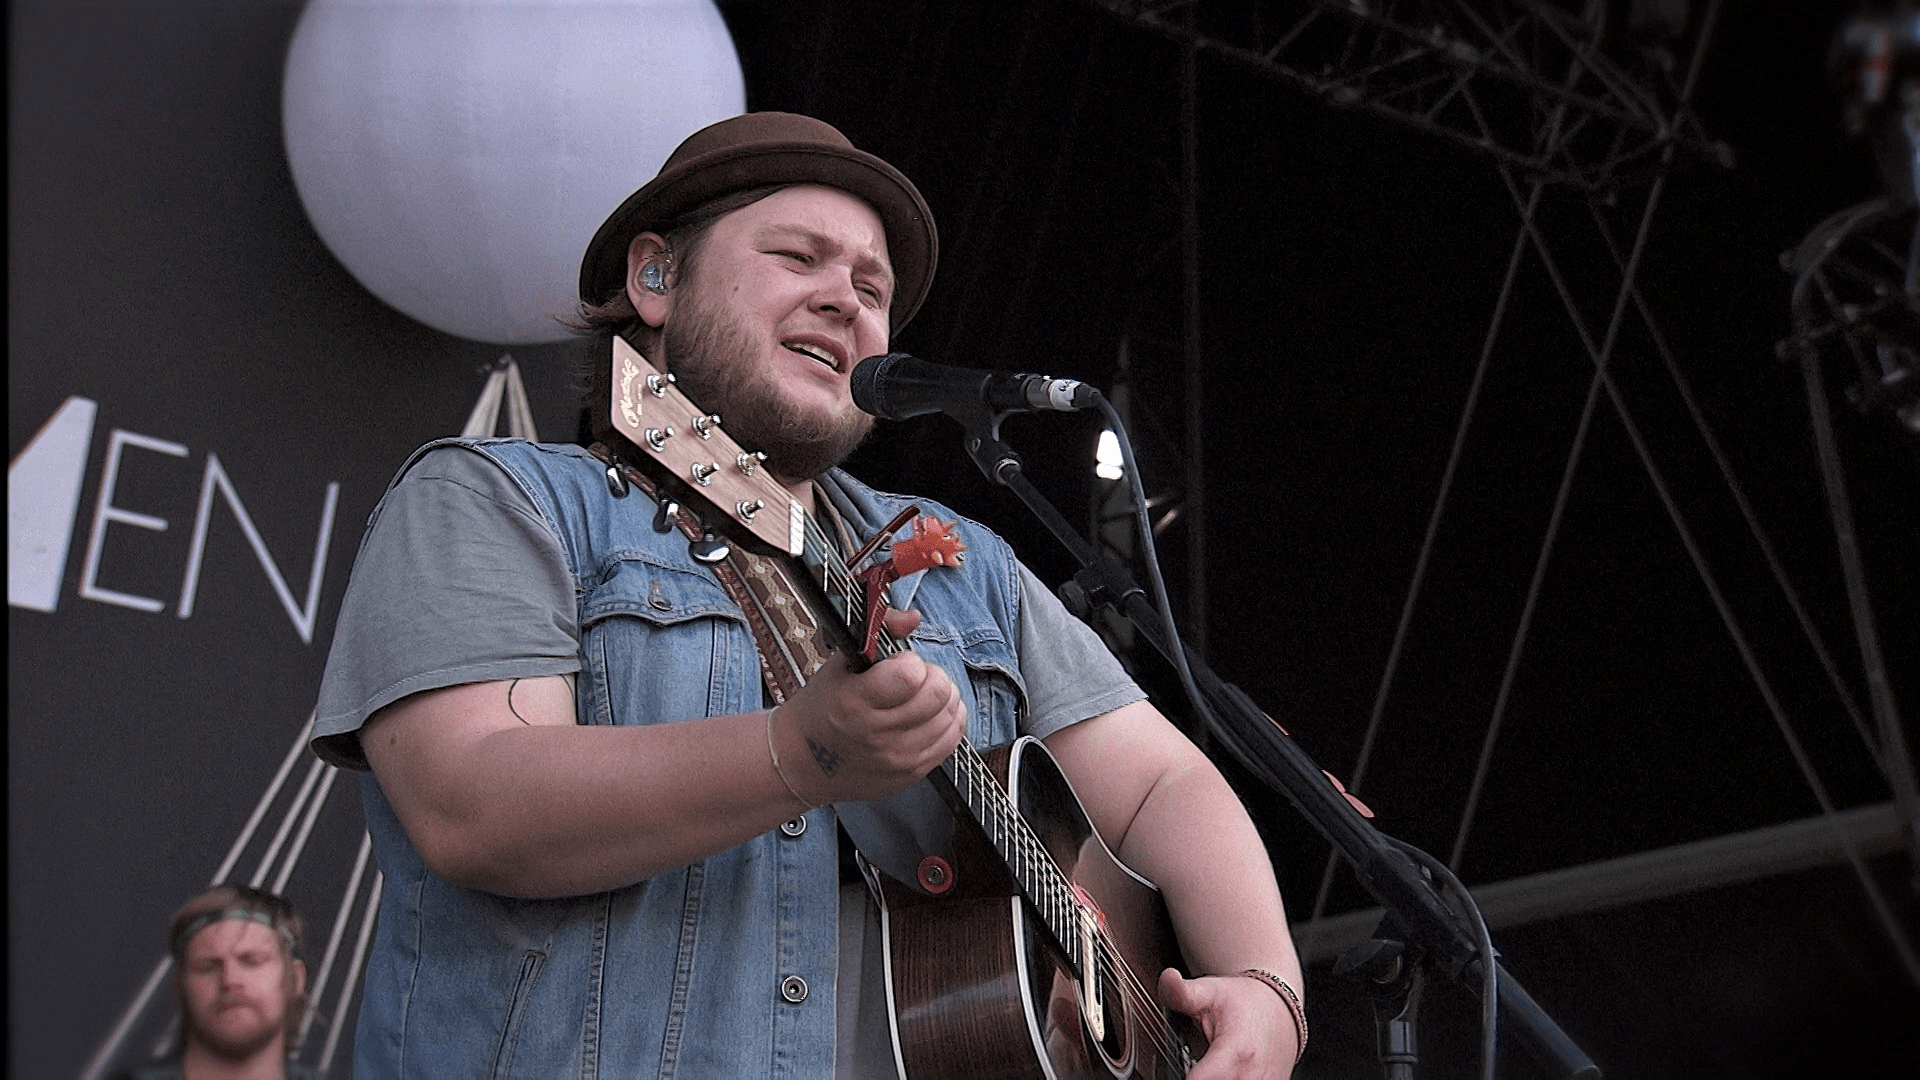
(868, 383)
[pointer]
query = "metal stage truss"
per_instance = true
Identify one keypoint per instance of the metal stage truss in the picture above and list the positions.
(1565, 93)
(1584, 111)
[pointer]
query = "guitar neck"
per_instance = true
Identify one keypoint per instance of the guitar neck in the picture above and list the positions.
(691, 446)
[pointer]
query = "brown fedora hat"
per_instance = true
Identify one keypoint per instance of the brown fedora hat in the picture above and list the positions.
(770, 148)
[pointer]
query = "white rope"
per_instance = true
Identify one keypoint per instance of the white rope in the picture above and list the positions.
(519, 409)
(286, 823)
(123, 1027)
(486, 412)
(314, 807)
(334, 936)
(266, 799)
(504, 392)
(353, 971)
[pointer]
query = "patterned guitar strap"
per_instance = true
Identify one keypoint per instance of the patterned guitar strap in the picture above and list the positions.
(791, 644)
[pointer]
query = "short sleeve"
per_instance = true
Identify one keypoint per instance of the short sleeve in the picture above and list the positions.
(458, 580)
(1069, 673)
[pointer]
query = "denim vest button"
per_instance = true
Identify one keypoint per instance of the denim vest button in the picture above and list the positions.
(793, 989)
(793, 827)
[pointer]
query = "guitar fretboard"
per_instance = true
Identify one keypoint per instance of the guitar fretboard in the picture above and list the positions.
(1033, 868)
(693, 446)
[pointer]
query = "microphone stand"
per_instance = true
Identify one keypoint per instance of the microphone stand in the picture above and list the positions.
(1420, 927)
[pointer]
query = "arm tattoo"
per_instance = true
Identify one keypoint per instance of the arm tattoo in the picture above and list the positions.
(829, 762)
(510, 708)
(511, 683)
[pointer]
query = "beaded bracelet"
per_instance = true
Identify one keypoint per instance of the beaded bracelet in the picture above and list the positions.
(1292, 998)
(775, 755)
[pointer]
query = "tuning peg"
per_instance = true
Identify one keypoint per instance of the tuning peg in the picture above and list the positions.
(663, 518)
(616, 483)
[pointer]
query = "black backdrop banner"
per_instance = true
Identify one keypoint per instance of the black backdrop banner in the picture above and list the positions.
(207, 406)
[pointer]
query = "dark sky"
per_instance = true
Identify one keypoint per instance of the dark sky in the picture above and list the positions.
(1348, 271)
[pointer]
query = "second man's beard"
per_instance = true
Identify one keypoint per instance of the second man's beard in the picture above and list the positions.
(712, 360)
(236, 1047)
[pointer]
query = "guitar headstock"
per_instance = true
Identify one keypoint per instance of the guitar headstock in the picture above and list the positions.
(656, 417)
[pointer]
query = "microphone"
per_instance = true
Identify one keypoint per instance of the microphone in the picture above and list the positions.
(897, 386)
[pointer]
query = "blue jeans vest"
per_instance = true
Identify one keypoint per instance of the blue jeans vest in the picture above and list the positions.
(689, 973)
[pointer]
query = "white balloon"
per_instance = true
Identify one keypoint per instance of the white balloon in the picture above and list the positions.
(457, 155)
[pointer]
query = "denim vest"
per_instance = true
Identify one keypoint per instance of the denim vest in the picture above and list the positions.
(722, 968)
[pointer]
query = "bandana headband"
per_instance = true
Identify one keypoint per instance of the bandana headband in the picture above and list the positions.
(207, 919)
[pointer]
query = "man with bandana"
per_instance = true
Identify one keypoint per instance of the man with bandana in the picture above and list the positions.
(607, 821)
(242, 988)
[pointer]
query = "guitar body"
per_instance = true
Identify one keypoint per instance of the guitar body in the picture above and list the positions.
(976, 985)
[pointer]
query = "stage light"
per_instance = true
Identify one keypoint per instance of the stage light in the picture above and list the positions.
(1106, 457)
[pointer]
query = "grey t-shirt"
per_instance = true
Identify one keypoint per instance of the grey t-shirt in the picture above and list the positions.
(459, 580)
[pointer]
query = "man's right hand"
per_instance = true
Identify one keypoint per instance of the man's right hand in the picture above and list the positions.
(866, 735)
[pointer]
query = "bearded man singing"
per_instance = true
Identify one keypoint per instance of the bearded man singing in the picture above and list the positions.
(615, 782)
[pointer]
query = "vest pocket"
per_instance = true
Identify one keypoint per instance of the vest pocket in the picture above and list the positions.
(657, 642)
(530, 964)
(996, 702)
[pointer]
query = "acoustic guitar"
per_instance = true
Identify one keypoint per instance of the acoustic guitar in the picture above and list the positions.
(1016, 944)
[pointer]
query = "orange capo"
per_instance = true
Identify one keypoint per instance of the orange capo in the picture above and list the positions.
(932, 544)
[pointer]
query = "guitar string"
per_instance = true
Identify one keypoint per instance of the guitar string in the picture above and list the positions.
(1023, 847)
(1020, 846)
(1058, 904)
(1159, 1031)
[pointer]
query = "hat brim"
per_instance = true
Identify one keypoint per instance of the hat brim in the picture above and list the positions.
(912, 243)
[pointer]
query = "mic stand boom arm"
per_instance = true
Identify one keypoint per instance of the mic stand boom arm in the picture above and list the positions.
(1431, 925)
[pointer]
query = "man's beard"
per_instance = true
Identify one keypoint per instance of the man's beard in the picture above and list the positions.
(712, 359)
(234, 1046)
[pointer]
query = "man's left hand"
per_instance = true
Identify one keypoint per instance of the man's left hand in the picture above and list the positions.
(1250, 1033)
